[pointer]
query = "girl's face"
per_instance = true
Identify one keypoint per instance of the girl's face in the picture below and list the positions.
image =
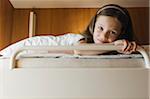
(107, 29)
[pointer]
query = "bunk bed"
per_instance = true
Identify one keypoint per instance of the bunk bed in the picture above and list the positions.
(63, 76)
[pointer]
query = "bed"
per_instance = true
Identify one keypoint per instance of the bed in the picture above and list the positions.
(65, 76)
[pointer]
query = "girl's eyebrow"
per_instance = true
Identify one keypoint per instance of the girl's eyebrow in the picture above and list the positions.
(116, 29)
(99, 24)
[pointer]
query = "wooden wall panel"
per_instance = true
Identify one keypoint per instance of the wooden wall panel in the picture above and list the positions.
(140, 20)
(62, 20)
(51, 21)
(20, 25)
(58, 21)
(6, 12)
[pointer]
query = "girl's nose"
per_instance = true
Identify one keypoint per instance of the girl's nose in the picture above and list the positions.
(103, 37)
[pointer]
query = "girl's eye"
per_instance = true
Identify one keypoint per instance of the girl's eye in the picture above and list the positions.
(113, 32)
(100, 28)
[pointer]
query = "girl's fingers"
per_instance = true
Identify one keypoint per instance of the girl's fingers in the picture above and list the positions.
(134, 46)
(125, 45)
(131, 48)
(128, 47)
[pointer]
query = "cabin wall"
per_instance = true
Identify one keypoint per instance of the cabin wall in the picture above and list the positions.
(62, 20)
(6, 19)
(53, 21)
(140, 20)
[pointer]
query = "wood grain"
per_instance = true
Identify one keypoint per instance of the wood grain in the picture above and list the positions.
(6, 19)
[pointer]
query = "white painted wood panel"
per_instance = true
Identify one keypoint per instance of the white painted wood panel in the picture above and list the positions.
(76, 3)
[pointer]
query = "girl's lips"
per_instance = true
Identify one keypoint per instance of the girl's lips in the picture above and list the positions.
(99, 41)
(102, 41)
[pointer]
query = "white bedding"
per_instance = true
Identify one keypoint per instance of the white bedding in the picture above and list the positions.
(67, 39)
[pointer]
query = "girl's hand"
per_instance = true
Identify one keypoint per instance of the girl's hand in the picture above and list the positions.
(128, 47)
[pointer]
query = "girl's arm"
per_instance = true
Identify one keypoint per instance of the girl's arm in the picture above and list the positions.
(128, 48)
(88, 52)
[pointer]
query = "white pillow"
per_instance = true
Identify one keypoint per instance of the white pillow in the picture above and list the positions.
(67, 39)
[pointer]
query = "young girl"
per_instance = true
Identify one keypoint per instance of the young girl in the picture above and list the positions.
(111, 24)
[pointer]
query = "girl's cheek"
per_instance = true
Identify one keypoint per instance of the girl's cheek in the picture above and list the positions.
(94, 35)
(97, 35)
(111, 40)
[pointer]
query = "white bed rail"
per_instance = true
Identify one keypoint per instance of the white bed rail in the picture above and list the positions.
(104, 47)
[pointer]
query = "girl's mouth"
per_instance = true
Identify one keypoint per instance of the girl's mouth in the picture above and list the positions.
(99, 41)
